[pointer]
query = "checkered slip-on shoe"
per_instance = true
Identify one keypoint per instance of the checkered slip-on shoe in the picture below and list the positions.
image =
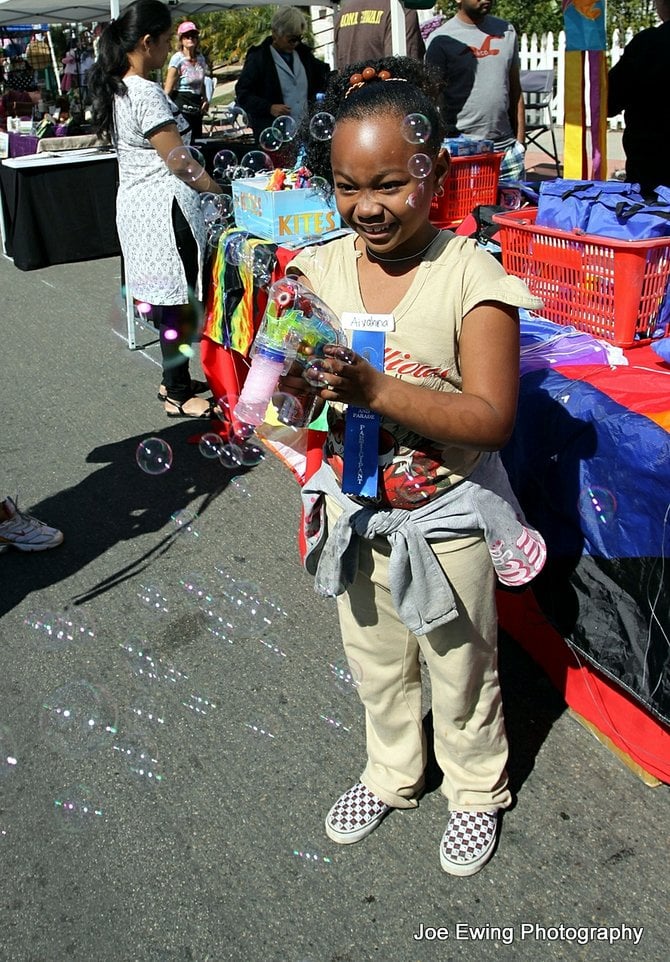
(354, 815)
(468, 842)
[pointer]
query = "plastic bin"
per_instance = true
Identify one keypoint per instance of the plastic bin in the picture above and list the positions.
(613, 289)
(471, 181)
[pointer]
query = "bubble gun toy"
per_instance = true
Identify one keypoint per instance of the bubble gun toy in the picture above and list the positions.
(295, 327)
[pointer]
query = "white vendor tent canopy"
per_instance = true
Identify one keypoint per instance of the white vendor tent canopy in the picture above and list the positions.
(59, 11)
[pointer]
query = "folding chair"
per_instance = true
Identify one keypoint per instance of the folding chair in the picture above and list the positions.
(537, 87)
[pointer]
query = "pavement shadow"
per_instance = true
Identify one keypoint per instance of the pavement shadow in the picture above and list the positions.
(113, 503)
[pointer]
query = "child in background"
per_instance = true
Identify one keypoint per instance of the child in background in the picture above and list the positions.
(411, 567)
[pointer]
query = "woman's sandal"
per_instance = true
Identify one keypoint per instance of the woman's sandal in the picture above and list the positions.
(208, 413)
(197, 387)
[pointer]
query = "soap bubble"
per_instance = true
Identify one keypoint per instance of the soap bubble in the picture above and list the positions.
(270, 140)
(310, 856)
(419, 165)
(210, 445)
(212, 207)
(8, 759)
(346, 674)
(78, 718)
(77, 809)
(186, 163)
(263, 264)
(231, 456)
(57, 630)
(320, 187)
(314, 372)
(416, 129)
(289, 409)
(256, 161)
(252, 454)
(184, 521)
(285, 127)
(224, 159)
(321, 126)
(235, 249)
(223, 163)
(597, 505)
(137, 750)
(154, 456)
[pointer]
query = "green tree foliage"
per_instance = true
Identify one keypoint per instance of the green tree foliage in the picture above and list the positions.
(225, 37)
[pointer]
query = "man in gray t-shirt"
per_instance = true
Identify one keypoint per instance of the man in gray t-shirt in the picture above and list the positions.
(478, 58)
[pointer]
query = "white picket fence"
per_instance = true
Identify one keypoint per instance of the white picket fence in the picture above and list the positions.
(548, 52)
(536, 53)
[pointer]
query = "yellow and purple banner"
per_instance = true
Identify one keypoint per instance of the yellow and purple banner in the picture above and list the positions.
(585, 45)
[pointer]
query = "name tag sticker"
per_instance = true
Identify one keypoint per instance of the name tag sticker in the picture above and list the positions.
(352, 321)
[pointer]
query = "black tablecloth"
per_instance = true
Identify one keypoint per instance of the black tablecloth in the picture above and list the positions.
(60, 214)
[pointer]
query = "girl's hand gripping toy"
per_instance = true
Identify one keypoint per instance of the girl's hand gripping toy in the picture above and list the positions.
(295, 327)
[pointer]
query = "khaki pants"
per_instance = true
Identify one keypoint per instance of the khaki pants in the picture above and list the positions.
(469, 731)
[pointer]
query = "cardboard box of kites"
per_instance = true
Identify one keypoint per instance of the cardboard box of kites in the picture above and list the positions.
(282, 216)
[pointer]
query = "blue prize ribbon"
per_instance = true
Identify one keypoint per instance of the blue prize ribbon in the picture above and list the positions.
(360, 471)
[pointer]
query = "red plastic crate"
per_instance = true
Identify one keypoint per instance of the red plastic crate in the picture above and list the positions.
(471, 181)
(608, 287)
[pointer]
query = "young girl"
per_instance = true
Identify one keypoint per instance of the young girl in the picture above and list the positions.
(410, 565)
(185, 79)
(158, 215)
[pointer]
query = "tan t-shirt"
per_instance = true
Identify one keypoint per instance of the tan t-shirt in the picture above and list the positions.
(454, 276)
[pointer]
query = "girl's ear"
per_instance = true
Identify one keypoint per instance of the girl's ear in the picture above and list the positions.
(442, 165)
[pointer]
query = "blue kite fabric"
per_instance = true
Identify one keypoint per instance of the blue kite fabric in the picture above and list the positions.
(593, 475)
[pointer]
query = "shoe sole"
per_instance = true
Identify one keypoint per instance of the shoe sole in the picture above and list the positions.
(348, 838)
(29, 547)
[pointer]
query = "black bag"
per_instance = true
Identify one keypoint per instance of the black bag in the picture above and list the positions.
(188, 103)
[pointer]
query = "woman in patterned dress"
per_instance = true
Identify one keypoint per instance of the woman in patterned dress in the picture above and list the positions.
(158, 214)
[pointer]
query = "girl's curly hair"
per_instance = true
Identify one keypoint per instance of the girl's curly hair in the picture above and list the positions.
(419, 94)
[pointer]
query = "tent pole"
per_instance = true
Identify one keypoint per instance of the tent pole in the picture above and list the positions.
(114, 9)
(398, 34)
(54, 62)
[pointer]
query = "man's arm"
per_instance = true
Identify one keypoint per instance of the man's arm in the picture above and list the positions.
(517, 113)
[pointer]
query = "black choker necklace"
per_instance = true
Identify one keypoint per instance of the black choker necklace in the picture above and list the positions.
(399, 260)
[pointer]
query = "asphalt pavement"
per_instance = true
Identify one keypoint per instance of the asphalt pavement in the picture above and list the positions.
(176, 717)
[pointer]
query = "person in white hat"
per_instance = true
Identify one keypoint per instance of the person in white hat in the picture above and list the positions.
(185, 80)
